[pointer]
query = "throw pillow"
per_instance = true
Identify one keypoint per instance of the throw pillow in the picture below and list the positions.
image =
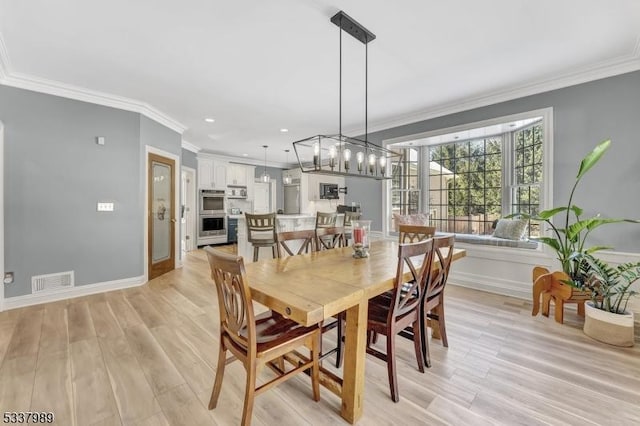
(511, 229)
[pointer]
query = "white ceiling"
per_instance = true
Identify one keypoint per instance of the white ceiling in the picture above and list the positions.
(257, 66)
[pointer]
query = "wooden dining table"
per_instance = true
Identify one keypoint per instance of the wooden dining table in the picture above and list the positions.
(314, 287)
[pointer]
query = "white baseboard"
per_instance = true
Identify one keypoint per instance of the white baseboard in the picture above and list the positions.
(517, 289)
(70, 293)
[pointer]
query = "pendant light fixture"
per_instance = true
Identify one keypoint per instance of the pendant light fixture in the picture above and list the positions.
(287, 177)
(333, 154)
(265, 176)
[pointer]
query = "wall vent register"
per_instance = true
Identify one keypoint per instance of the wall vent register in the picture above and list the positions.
(52, 282)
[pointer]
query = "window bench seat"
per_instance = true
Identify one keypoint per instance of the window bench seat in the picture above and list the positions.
(489, 240)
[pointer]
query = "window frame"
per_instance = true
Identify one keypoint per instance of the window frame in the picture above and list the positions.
(546, 189)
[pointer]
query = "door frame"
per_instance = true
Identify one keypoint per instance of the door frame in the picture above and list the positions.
(2, 214)
(153, 150)
(191, 204)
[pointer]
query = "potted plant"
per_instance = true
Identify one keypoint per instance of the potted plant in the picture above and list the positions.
(569, 241)
(606, 316)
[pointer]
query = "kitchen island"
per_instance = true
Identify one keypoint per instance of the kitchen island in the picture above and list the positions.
(284, 223)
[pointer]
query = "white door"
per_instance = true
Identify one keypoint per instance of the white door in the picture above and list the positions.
(261, 198)
(187, 209)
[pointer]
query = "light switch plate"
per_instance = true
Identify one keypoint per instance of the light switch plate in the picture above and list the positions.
(105, 207)
(100, 140)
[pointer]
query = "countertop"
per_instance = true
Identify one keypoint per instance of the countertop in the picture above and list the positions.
(280, 216)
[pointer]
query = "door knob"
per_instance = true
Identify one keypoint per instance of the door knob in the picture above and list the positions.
(173, 220)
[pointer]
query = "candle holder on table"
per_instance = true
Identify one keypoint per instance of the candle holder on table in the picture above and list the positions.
(361, 229)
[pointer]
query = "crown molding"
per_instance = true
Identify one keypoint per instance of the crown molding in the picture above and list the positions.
(51, 87)
(190, 147)
(56, 88)
(621, 65)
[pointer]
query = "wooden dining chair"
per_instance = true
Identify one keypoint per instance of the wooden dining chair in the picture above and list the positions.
(261, 232)
(390, 315)
(415, 233)
(348, 218)
(433, 297)
(257, 341)
(287, 241)
(329, 238)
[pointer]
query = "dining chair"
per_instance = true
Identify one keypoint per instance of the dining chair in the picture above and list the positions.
(329, 237)
(257, 341)
(433, 297)
(287, 241)
(348, 218)
(261, 232)
(326, 220)
(415, 233)
(390, 315)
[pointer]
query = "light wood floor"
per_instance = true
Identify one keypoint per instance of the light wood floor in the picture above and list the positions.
(146, 356)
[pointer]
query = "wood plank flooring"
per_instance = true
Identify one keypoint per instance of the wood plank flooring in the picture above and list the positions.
(147, 356)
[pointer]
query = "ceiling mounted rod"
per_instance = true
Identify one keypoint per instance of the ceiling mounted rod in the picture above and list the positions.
(352, 27)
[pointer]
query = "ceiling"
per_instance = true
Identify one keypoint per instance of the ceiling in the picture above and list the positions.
(258, 66)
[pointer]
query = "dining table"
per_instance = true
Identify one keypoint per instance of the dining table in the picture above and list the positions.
(314, 287)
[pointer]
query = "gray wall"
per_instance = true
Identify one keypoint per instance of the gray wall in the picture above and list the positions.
(276, 174)
(189, 159)
(583, 115)
(55, 173)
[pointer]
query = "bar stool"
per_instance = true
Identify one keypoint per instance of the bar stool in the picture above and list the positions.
(261, 232)
(348, 217)
(325, 220)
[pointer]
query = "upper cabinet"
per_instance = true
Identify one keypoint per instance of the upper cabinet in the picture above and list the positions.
(237, 174)
(212, 173)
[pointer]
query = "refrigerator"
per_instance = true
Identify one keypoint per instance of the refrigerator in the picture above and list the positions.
(292, 199)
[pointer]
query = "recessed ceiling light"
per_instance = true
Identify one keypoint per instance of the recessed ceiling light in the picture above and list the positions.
(245, 155)
(209, 120)
(283, 130)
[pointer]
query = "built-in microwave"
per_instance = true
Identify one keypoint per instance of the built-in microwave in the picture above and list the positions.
(329, 191)
(212, 201)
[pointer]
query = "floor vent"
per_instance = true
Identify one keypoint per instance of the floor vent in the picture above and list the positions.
(51, 282)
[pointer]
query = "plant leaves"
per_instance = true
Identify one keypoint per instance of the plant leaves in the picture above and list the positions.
(597, 248)
(592, 158)
(575, 228)
(547, 214)
(550, 241)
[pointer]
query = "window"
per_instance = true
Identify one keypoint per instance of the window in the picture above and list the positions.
(469, 178)
(405, 187)
(465, 188)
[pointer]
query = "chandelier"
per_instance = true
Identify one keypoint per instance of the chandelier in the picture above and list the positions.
(340, 154)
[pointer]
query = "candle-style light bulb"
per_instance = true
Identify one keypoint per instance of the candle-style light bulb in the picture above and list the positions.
(316, 155)
(383, 165)
(360, 160)
(332, 156)
(346, 154)
(372, 163)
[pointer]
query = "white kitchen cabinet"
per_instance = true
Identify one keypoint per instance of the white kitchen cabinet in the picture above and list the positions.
(250, 173)
(237, 175)
(212, 173)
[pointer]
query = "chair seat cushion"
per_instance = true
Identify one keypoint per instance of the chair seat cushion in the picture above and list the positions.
(272, 328)
(380, 306)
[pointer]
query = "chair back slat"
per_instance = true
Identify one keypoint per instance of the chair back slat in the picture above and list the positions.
(438, 278)
(328, 238)
(415, 233)
(326, 220)
(306, 238)
(234, 297)
(261, 227)
(410, 285)
(351, 216)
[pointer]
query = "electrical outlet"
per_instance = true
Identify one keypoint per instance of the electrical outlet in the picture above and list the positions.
(8, 277)
(105, 207)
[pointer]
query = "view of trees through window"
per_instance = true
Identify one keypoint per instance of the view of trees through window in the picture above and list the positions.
(465, 193)
(474, 182)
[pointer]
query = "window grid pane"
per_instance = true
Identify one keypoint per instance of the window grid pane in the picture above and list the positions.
(465, 193)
